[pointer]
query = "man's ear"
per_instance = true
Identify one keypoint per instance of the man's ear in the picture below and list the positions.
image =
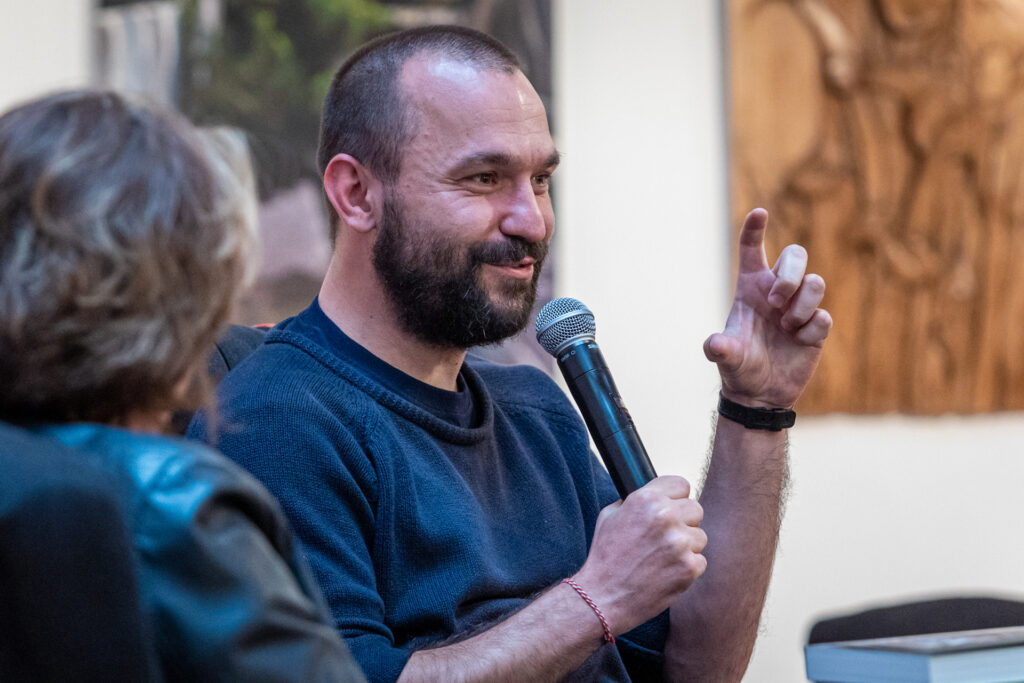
(354, 192)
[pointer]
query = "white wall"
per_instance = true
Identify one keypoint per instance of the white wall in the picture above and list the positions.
(889, 509)
(641, 232)
(45, 45)
(882, 508)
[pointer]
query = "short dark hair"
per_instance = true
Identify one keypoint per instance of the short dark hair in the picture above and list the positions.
(125, 237)
(364, 114)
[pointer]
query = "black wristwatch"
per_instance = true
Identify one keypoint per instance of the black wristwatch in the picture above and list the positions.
(771, 419)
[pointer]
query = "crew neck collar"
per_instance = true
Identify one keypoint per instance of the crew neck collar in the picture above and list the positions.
(453, 407)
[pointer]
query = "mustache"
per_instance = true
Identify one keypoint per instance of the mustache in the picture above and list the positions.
(509, 250)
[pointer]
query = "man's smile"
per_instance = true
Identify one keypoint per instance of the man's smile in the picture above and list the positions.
(522, 269)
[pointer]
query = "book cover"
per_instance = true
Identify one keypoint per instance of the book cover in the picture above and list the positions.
(983, 656)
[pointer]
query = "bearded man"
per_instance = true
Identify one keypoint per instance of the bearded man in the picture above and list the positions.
(444, 501)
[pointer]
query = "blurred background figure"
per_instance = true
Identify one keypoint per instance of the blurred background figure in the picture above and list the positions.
(126, 236)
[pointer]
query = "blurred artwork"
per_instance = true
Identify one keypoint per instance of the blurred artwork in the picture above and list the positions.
(887, 136)
(295, 251)
(136, 48)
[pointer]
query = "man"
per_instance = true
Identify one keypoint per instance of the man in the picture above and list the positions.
(442, 500)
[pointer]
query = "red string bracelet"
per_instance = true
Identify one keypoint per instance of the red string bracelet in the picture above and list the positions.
(608, 636)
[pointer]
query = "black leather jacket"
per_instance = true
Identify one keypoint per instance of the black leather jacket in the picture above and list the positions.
(225, 592)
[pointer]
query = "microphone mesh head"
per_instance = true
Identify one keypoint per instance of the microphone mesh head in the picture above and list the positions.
(561, 321)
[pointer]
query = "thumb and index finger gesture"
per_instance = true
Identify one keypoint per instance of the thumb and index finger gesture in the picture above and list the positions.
(775, 331)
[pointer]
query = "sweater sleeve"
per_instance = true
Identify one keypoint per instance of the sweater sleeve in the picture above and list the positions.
(228, 592)
(326, 483)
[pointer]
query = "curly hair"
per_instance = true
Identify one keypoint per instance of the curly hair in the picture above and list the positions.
(126, 235)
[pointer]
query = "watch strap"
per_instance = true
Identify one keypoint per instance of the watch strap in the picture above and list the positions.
(771, 419)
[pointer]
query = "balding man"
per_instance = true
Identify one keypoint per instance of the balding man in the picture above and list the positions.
(445, 501)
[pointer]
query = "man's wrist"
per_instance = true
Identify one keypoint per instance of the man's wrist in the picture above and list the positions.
(768, 419)
(606, 629)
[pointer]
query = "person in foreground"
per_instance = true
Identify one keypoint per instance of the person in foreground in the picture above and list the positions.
(444, 500)
(125, 235)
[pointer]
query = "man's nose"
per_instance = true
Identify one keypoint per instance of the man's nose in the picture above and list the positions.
(525, 215)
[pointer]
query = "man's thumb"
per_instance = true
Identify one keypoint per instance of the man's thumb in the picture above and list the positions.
(723, 350)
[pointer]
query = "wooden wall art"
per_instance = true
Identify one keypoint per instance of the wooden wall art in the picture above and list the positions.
(887, 136)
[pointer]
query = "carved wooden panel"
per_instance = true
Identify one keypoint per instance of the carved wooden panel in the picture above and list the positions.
(887, 136)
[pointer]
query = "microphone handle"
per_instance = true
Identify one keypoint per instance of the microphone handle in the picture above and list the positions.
(605, 414)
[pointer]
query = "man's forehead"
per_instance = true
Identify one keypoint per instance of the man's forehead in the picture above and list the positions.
(447, 71)
(462, 108)
(432, 80)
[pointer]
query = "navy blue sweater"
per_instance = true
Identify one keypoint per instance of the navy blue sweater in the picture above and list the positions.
(425, 513)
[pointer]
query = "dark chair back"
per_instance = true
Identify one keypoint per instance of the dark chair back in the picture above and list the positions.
(233, 347)
(237, 342)
(925, 616)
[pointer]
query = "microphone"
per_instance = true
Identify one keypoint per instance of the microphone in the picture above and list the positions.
(565, 328)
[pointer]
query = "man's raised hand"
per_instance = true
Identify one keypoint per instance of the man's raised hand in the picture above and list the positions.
(775, 331)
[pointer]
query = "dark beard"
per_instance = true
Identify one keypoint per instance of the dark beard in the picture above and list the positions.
(434, 283)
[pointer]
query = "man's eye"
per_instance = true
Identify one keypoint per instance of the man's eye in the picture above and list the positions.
(484, 178)
(543, 180)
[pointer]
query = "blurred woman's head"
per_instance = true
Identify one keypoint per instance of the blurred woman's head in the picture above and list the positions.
(125, 237)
